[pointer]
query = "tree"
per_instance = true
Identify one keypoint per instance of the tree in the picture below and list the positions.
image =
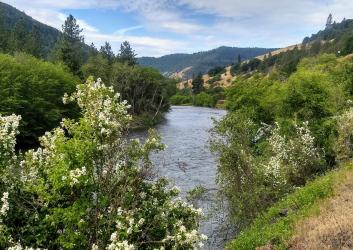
(127, 54)
(107, 52)
(197, 84)
(329, 21)
(97, 66)
(4, 34)
(92, 50)
(239, 59)
(34, 46)
(33, 89)
(19, 37)
(69, 47)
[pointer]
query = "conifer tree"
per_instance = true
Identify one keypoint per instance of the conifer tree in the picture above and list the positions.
(197, 84)
(34, 43)
(127, 54)
(69, 47)
(107, 52)
(18, 36)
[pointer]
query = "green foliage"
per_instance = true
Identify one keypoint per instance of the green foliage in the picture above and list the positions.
(127, 54)
(19, 32)
(197, 84)
(98, 66)
(204, 100)
(69, 48)
(281, 132)
(181, 99)
(144, 88)
(273, 227)
(216, 71)
(34, 89)
(196, 193)
(107, 53)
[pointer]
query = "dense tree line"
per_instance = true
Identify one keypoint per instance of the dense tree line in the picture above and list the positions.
(33, 88)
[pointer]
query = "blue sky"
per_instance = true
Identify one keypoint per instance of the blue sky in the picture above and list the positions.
(159, 27)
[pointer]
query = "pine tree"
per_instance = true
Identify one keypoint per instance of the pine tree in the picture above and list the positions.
(107, 52)
(4, 33)
(127, 54)
(69, 47)
(18, 37)
(92, 50)
(197, 84)
(239, 59)
(329, 21)
(34, 46)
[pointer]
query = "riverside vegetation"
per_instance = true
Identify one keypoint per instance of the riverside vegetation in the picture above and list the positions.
(79, 189)
(286, 135)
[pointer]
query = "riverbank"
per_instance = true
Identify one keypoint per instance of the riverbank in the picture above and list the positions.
(316, 215)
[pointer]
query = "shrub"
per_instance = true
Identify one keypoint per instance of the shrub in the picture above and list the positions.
(88, 187)
(204, 100)
(181, 100)
(258, 165)
(33, 89)
(344, 142)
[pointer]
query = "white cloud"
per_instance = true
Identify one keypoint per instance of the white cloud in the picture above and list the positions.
(271, 23)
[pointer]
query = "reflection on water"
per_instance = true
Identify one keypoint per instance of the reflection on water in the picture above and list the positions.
(188, 162)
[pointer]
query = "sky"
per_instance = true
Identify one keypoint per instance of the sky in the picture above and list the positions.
(160, 27)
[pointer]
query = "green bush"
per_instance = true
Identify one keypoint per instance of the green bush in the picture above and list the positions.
(33, 89)
(204, 100)
(181, 99)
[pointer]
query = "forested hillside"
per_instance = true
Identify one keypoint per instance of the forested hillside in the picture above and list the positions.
(18, 30)
(201, 61)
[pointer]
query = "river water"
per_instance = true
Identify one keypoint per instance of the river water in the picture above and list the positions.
(188, 162)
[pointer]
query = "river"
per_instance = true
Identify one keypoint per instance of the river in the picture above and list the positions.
(188, 162)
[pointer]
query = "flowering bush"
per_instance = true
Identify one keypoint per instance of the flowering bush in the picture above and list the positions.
(344, 142)
(258, 166)
(88, 187)
(296, 159)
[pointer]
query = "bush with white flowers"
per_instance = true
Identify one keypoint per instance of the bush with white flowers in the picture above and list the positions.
(88, 186)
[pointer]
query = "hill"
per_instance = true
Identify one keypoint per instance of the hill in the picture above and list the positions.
(226, 77)
(187, 65)
(10, 16)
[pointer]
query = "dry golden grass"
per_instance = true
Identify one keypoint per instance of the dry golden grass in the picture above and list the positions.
(332, 228)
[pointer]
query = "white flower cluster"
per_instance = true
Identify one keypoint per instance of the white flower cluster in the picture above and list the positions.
(76, 174)
(293, 154)
(124, 245)
(8, 131)
(5, 204)
(99, 103)
(19, 247)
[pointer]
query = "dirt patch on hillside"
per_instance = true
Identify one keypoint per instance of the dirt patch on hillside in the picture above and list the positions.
(333, 227)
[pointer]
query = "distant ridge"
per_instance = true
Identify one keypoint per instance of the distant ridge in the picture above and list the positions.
(191, 64)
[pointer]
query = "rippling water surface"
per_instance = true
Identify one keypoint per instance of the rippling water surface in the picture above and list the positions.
(188, 162)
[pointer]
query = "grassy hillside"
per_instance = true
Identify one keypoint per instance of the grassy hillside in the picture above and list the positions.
(293, 222)
(201, 61)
